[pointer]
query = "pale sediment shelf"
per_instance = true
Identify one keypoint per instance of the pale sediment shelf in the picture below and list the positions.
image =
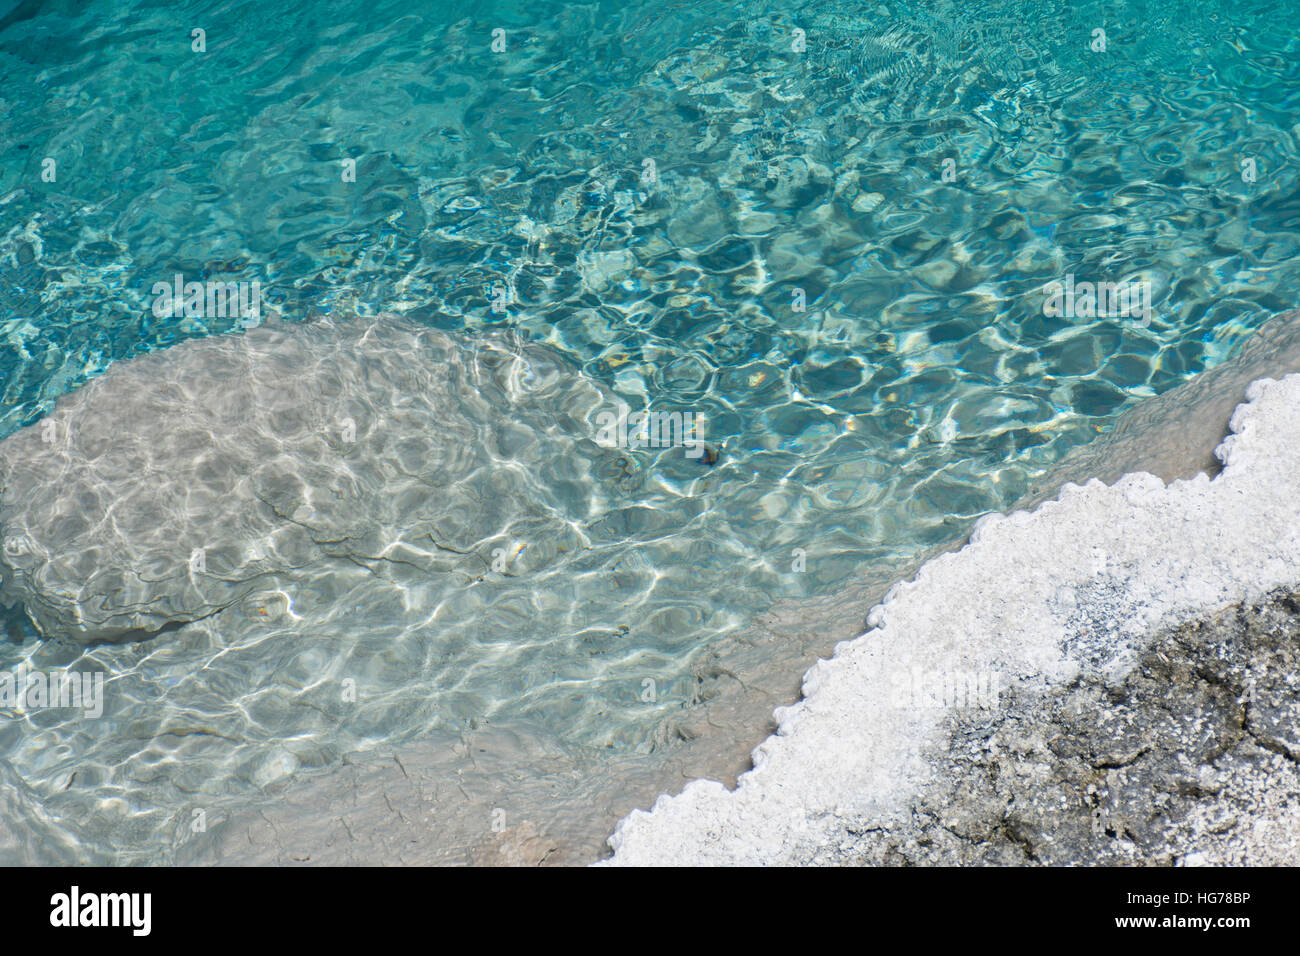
(1071, 594)
(430, 803)
(502, 792)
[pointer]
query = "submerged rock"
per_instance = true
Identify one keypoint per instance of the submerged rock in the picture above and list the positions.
(183, 482)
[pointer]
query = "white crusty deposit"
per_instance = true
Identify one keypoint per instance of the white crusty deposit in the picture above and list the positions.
(1076, 586)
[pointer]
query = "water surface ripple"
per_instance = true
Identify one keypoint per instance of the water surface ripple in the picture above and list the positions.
(922, 386)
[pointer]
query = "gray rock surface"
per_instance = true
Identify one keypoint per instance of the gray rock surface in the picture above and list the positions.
(1192, 758)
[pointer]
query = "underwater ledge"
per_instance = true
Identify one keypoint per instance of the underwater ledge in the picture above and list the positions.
(395, 807)
(1144, 636)
(436, 801)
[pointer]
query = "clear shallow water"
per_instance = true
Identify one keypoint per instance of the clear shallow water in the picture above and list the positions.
(921, 388)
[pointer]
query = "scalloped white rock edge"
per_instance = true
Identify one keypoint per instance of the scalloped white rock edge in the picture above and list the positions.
(1034, 596)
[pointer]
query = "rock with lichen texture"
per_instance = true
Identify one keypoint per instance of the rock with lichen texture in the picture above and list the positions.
(1191, 758)
(179, 483)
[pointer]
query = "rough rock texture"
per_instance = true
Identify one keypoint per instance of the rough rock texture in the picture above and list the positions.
(180, 482)
(1072, 591)
(1192, 758)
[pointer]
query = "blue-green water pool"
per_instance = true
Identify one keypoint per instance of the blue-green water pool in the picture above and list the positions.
(824, 228)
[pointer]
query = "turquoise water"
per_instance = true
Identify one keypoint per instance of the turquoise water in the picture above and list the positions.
(922, 386)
